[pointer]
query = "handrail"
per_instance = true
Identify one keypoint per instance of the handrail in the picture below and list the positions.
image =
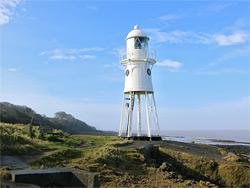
(123, 53)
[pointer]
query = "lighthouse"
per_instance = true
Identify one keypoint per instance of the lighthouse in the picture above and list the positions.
(138, 107)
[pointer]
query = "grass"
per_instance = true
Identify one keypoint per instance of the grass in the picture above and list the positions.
(56, 159)
(154, 167)
(14, 141)
(221, 172)
(4, 173)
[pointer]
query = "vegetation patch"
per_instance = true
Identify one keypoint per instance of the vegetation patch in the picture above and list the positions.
(234, 175)
(4, 173)
(56, 159)
(220, 172)
(15, 142)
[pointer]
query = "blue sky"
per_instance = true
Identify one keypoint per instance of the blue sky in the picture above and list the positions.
(63, 56)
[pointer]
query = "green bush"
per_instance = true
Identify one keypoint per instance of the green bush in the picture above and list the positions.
(32, 135)
(5, 174)
(54, 138)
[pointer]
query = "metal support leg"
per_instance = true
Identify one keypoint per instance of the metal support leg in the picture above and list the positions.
(157, 122)
(132, 109)
(130, 115)
(138, 115)
(121, 122)
(148, 121)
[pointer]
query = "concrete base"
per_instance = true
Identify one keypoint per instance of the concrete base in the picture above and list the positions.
(56, 177)
(144, 138)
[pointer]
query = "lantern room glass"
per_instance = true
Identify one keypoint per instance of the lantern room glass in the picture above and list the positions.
(141, 43)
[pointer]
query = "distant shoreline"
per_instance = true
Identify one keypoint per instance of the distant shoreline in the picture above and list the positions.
(208, 141)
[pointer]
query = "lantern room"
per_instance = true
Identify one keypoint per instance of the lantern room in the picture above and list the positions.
(137, 44)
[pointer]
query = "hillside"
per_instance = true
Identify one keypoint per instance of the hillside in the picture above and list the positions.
(121, 163)
(14, 114)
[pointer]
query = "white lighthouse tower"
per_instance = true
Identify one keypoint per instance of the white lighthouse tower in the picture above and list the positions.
(138, 61)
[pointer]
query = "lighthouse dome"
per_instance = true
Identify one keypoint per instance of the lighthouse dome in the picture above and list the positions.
(136, 33)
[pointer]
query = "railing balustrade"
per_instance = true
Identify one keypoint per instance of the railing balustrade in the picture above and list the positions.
(125, 53)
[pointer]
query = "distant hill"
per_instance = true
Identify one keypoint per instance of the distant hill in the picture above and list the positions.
(11, 113)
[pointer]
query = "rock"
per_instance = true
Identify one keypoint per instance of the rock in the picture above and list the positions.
(179, 177)
(188, 182)
(222, 151)
(173, 175)
(235, 158)
(164, 167)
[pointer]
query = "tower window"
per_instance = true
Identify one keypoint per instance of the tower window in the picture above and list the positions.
(141, 43)
(127, 72)
(149, 72)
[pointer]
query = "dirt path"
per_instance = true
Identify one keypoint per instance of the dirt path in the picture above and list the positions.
(25, 160)
(30, 158)
(195, 149)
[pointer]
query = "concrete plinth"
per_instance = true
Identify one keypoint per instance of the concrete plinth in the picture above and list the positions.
(144, 138)
(56, 177)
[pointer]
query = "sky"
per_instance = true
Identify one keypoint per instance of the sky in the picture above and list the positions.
(64, 56)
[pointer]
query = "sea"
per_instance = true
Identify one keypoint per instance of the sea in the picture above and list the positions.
(222, 137)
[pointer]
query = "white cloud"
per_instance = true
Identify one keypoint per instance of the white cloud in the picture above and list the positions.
(169, 17)
(172, 37)
(235, 38)
(58, 57)
(71, 51)
(87, 56)
(70, 54)
(218, 7)
(174, 65)
(91, 7)
(7, 9)
(11, 69)
(178, 36)
(4, 19)
(231, 55)
(75, 51)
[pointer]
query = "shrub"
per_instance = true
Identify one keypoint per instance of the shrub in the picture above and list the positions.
(5, 174)
(54, 138)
